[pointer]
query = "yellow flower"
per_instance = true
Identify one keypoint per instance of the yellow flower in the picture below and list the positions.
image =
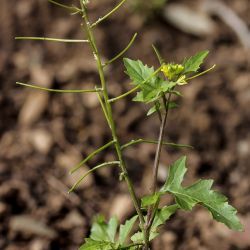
(171, 71)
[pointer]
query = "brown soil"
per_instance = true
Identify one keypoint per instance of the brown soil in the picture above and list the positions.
(43, 135)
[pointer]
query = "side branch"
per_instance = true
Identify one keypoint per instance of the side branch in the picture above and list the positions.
(105, 164)
(108, 14)
(201, 73)
(133, 142)
(71, 8)
(60, 90)
(122, 52)
(90, 156)
(50, 39)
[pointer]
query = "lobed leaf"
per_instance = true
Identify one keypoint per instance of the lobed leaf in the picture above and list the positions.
(200, 193)
(162, 215)
(151, 86)
(137, 71)
(112, 228)
(99, 230)
(126, 228)
(96, 245)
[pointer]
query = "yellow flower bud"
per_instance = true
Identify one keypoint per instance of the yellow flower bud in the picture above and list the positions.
(171, 71)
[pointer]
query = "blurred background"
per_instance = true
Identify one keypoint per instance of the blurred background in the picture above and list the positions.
(43, 135)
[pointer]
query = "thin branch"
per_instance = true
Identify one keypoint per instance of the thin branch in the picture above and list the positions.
(151, 210)
(60, 90)
(124, 95)
(160, 59)
(91, 156)
(160, 143)
(105, 164)
(50, 39)
(108, 14)
(71, 8)
(135, 88)
(122, 52)
(154, 142)
(201, 73)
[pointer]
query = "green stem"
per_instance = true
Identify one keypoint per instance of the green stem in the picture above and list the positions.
(160, 143)
(154, 142)
(110, 114)
(124, 95)
(122, 52)
(71, 8)
(60, 90)
(50, 39)
(151, 210)
(90, 156)
(201, 73)
(105, 164)
(108, 14)
(103, 108)
(158, 55)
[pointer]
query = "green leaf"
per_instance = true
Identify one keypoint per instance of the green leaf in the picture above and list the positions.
(193, 63)
(177, 93)
(150, 199)
(137, 71)
(157, 105)
(126, 228)
(162, 215)
(111, 228)
(152, 110)
(102, 231)
(200, 193)
(137, 237)
(99, 229)
(96, 245)
(173, 105)
(151, 85)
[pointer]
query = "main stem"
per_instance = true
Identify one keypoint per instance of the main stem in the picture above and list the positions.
(110, 115)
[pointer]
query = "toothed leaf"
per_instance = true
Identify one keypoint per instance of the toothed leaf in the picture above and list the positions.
(200, 193)
(96, 245)
(193, 63)
(126, 228)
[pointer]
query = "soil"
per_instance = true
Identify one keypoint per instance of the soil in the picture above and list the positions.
(43, 135)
